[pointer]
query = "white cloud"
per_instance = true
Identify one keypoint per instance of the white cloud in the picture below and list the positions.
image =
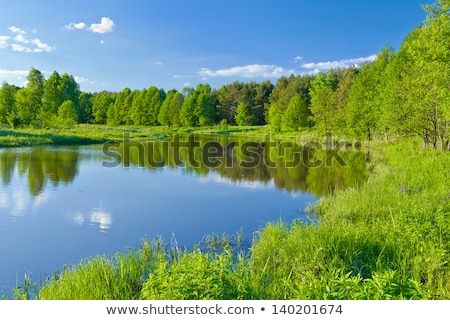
(75, 26)
(21, 39)
(106, 25)
(41, 47)
(4, 42)
(20, 48)
(248, 71)
(22, 43)
(319, 66)
(14, 29)
(81, 80)
(16, 74)
(298, 58)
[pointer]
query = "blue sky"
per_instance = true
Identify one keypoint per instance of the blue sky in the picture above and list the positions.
(110, 45)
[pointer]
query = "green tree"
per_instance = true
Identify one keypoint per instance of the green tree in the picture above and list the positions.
(297, 114)
(152, 100)
(29, 99)
(417, 97)
(101, 102)
(323, 99)
(346, 78)
(23, 114)
(198, 109)
(85, 109)
(53, 98)
(243, 116)
(69, 89)
(365, 98)
(187, 112)
(67, 114)
(138, 110)
(163, 116)
(275, 115)
(7, 105)
(174, 108)
(229, 96)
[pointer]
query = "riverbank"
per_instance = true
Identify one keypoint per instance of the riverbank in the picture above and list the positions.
(388, 239)
(96, 134)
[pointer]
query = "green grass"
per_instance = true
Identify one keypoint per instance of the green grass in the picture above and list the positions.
(389, 239)
(106, 278)
(94, 134)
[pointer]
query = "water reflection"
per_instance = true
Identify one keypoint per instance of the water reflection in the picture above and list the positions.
(312, 167)
(102, 218)
(41, 165)
(287, 164)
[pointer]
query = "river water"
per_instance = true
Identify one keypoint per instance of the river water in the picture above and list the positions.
(61, 204)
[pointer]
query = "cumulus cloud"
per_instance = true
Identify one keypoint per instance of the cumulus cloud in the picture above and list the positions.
(105, 25)
(16, 74)
(83, 80)
(20, 48)
(4, 42)
(41, 47)
(76, 26)
(320, 66)
(248, 71)
(14, 29)
(21, 39)
(22, 43)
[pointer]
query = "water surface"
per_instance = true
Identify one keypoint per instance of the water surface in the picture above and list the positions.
(61, 204)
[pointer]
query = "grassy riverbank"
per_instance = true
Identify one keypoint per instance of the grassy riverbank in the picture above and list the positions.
(389, 239)
(95, 134)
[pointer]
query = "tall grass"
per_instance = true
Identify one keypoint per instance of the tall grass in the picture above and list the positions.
(389, 239)
(106, 278)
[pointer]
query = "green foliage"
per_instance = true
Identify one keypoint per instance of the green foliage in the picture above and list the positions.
(365, 96)
(199, 276)
(418, 99)
(173, 112)
(223, 125)
(102, 278)
(198, 109)
(297, 114)
(323, 101)
(8, 111)
(67, 114)
(101, 103)
(243, 116)
(254, 95)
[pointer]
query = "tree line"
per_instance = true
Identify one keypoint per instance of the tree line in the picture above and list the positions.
(404, 92)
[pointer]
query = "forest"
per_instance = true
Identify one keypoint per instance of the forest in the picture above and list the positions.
(403, 93)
